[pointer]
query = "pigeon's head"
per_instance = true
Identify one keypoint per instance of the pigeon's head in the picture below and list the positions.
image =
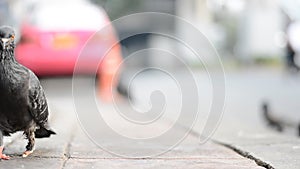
(7, 37)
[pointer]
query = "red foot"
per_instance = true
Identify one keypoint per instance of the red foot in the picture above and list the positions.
(4, 157)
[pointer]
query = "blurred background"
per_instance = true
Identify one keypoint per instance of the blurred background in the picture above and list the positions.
(242, 31)
(258, 42)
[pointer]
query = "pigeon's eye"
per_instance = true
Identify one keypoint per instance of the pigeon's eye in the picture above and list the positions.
(12, 37)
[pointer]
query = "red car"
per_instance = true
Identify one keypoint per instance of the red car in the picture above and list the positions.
(55, 33)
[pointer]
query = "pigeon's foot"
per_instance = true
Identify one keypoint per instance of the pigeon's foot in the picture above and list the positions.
(27, 153)
(4, 157)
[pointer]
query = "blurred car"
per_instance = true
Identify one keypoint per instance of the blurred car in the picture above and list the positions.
(55, 33)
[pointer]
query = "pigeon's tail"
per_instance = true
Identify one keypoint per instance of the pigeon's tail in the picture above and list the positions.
(43, 132)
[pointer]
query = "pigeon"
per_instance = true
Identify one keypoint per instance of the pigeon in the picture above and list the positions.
(273, 122)
(23, 105)
(278, 123)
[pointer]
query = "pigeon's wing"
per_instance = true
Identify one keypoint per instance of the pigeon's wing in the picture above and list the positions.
(38, 106)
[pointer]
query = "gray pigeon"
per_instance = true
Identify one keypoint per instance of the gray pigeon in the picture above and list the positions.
(23, 105)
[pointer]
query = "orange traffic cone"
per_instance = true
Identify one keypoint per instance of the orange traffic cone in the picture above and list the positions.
(108, 74)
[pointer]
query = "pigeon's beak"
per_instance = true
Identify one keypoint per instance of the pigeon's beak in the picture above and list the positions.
(4, 43)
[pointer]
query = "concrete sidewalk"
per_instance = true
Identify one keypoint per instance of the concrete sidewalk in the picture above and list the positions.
(71, 148)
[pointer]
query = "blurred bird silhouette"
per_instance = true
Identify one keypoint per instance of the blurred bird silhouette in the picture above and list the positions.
(272, 121)
(278, 124)
(23, 105)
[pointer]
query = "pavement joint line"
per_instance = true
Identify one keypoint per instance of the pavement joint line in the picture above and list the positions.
(137, 159)
(66, 154)
(46, 157)
(248, 155)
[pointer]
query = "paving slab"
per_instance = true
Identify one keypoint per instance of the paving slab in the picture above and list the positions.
(32, 163)
(160, 163)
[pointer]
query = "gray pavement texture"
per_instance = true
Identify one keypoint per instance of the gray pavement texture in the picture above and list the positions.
(241, 139)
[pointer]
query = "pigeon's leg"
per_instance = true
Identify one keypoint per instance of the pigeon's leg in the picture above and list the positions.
(31, 141)
(2, 156)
